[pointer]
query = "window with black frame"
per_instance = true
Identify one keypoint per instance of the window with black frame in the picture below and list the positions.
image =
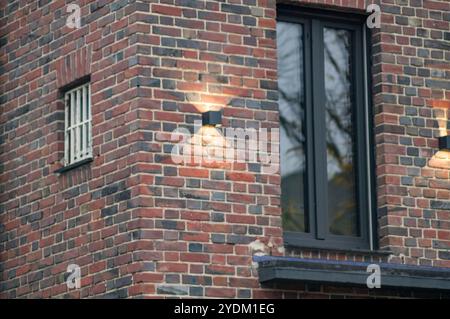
(324, 146)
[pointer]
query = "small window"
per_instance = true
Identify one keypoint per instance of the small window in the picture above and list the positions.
(324, 131)
(78, 125)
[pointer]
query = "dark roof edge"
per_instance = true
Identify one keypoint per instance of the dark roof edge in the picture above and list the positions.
(281, 269)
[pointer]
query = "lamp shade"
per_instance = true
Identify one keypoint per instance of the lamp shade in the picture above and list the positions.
(444, 143)
(212, 118)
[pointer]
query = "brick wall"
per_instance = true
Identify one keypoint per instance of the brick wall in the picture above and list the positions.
(139, 224)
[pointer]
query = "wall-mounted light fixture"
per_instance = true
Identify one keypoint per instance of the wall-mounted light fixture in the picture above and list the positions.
(212, 118)
(444, 143)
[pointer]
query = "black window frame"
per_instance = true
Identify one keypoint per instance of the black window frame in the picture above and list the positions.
(313, 21)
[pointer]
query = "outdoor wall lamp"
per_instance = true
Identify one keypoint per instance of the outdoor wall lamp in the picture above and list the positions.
(444, 143)
(212, 118)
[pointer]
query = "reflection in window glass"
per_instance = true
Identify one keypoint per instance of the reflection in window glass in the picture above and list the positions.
(291, 104)
(342, 208)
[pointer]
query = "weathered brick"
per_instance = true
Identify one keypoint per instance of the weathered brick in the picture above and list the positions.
(141, 225)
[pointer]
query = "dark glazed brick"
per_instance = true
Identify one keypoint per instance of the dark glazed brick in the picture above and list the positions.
(235, 9)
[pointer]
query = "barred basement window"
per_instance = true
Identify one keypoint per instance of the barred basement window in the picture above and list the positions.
(78, 125)
(324, 129)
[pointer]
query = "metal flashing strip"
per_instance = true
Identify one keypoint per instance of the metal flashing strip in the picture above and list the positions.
(279, 269)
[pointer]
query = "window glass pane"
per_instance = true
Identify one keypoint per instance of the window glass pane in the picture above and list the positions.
(78, 124)
(292, 114)
(342, 205)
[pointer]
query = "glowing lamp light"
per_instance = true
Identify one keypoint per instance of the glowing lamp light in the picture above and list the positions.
(444, 143)
(212, 118)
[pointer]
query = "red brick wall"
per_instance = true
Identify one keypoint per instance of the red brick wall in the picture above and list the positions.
(138, 224)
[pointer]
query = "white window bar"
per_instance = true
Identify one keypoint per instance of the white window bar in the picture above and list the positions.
(78, 107)
(72, 125)
(66, 131)
(89, 114)
(78, 122)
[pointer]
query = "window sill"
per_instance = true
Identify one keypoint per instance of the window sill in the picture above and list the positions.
(74, 165)
(278, 270)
